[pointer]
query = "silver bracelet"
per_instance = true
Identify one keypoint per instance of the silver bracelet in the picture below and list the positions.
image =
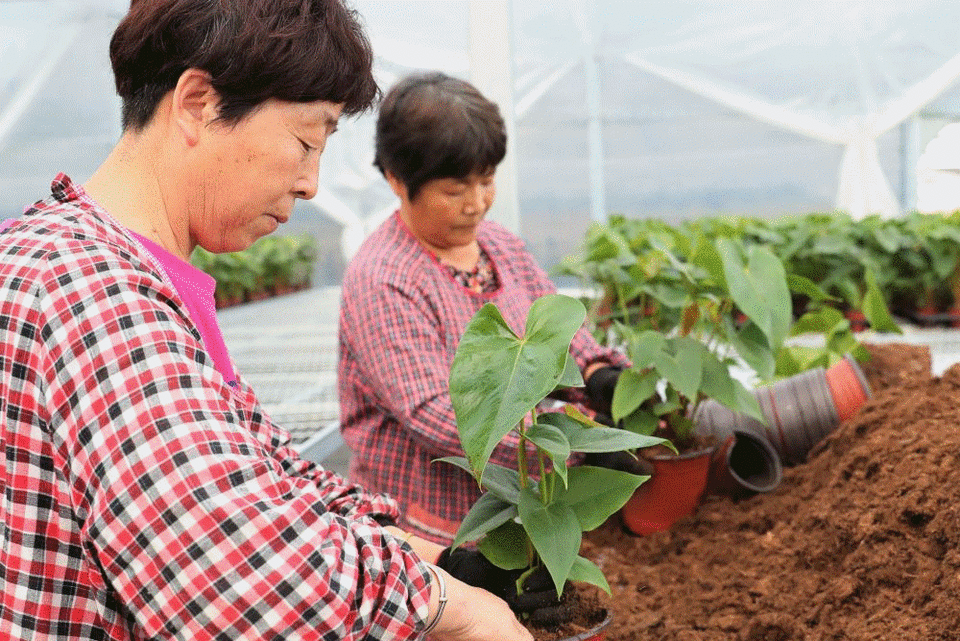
(443, 597)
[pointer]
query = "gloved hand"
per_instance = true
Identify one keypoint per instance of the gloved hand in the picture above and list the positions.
(620, 461)
(600, 386)
(538, 603)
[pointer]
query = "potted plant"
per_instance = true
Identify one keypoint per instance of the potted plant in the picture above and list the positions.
(673, 373)
(534, 515)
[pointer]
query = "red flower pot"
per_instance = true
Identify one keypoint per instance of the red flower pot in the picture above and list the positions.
(848, 387)
(858, 320)
(673, 491)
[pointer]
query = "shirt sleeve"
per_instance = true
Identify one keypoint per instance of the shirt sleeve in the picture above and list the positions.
(401, 346)
(198, 526)
(341, 496)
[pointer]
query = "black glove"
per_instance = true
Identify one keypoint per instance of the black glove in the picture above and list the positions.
(600, 387)
(538, 603)
(620, 461)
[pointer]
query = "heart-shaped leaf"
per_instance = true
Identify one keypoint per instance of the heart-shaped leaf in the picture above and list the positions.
(500, 481)
(552, 441)
(632, 389)
(598, 438)
(497, 377)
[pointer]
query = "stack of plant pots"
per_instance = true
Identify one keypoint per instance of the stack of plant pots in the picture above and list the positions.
(800, 412)
(749, 455)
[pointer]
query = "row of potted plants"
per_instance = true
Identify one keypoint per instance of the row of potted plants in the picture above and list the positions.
(715, 281)
(914, 259)
(272, 266)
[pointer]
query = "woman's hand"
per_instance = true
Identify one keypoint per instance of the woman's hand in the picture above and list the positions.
(473, 614)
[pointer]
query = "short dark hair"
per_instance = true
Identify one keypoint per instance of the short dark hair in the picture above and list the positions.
(434, 126)
(254, 50)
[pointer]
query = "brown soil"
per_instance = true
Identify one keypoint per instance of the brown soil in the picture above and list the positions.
(860, 542)
(588, 609)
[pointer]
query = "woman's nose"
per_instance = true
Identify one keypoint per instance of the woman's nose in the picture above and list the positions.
(477, 199)
(309, 181)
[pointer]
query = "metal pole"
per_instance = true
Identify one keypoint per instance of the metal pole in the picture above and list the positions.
(491, 71)
(595, 158)
(909, 155)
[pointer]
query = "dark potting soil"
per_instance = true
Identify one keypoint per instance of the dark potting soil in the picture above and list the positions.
(587, 609)
(859, 542)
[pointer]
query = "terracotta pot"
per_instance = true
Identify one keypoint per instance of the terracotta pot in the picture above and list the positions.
(858, 321)
(953, 316)
(743, 465)
(674, 490)
(848, 387)
(927, 316)
(596, 633)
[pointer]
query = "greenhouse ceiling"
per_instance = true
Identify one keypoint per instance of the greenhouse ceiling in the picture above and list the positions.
(645, 108)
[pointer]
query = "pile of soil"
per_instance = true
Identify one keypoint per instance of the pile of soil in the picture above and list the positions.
(859, 542)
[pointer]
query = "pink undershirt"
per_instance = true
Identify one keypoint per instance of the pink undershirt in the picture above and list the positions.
(196, 290)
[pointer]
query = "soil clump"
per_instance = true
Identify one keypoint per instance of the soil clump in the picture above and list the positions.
(859, 542)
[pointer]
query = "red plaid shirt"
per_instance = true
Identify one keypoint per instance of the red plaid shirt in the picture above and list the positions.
(143, 497)
(401, 318)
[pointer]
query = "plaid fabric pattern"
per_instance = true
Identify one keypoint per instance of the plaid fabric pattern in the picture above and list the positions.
(401, 318)
(145, 498)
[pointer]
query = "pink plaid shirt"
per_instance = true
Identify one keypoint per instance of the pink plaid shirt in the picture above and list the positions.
(401, 318)
(143, 496)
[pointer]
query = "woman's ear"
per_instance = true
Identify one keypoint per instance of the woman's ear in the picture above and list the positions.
(194, 104)
(398, 186)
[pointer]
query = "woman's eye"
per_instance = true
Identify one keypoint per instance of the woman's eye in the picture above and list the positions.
(306, 148)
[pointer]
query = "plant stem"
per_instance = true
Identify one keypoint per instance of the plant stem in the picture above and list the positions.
(546, 489)
(522, 454)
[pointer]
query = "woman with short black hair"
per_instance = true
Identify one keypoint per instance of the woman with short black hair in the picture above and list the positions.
(412, 288)
(147, 494)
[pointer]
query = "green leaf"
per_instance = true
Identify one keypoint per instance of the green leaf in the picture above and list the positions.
(555, 533)
(726, 390)
(817, 321)
(595, 493)
(506, 546)
(752, 345)
(552, 441)
(759, 289)
(641, 422)
(708, 258)
(685, 370)
(497, 377)
(806, 287)
(597, 438)
(632, 389)
(645, 347)
(586, 571)
(875, 308)
(488, 513)
(501, 481)
(571, 374)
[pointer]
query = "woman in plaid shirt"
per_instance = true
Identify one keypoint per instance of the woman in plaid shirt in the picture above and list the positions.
(412, 288)
(146, 494)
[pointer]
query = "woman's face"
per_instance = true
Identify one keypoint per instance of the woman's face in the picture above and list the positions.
(445, 212)
(253, 172)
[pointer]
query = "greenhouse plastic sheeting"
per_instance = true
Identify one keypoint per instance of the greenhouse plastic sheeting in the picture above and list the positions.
(671, 109)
